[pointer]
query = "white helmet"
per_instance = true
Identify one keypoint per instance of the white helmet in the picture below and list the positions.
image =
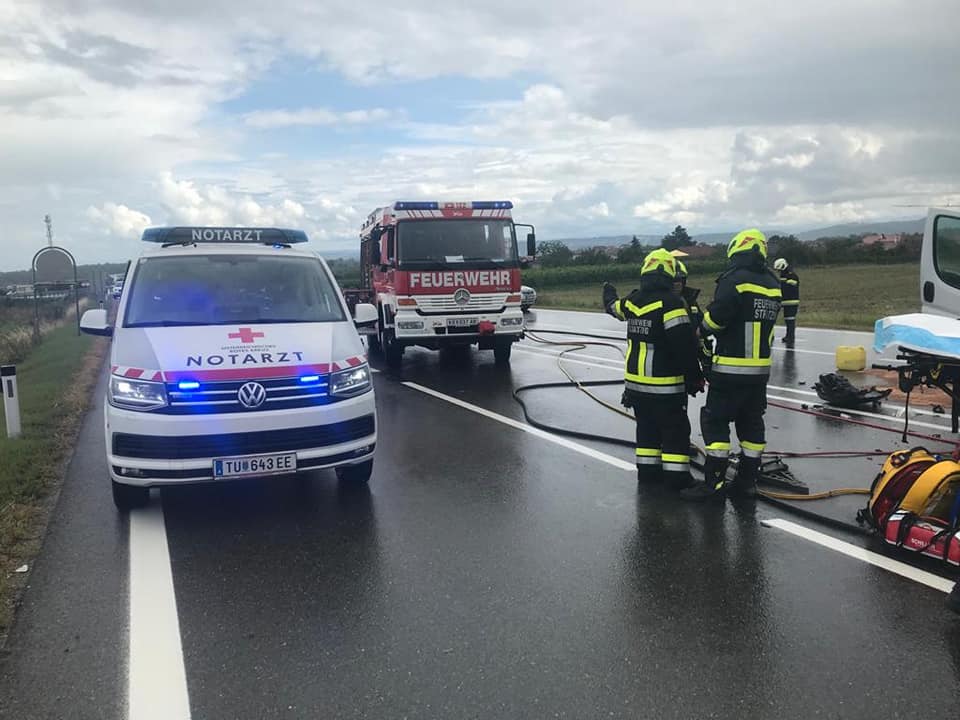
(780, 264)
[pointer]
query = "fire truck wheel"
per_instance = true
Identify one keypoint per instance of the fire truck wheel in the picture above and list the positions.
(128, 497)
(355, 474)
(392, 350)
(502, 350)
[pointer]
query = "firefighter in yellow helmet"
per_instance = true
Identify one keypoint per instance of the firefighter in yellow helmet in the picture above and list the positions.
(661, 369)
(741, 317)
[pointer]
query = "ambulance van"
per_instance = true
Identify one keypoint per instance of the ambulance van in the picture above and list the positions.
(234, 355)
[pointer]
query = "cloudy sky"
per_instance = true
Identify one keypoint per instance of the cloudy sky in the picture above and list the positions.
(594, 117)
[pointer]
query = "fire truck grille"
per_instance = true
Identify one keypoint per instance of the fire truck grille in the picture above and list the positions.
(490, 302)
(157, 447)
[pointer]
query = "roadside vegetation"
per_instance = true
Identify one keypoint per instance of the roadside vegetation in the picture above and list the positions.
(55, 379)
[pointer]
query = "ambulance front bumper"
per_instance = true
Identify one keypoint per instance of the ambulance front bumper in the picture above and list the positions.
(149, 449)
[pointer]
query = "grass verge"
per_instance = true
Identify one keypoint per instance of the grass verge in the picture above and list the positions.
(55, 383)
(846, 296)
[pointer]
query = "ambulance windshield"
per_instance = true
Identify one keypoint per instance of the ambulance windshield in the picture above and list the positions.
(230, 289)
(470, 243)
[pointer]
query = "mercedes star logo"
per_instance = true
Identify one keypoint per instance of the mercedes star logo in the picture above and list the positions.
(461, 296)
(251, 395)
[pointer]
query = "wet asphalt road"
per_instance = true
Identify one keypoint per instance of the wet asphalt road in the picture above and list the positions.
(489, 573)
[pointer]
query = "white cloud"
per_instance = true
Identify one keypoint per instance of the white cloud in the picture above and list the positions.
(313, 116)
(119, 220)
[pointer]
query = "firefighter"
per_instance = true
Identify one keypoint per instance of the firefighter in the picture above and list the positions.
(741, 317)
(661, 369)
(790, 289)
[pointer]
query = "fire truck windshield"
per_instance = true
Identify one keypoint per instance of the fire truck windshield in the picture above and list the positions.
(476, 243)
(227, 289)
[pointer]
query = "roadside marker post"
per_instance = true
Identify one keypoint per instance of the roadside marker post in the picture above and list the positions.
(11, 399)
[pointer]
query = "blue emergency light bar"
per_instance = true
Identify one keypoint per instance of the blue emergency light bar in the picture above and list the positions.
(190, 235)
(476, 205)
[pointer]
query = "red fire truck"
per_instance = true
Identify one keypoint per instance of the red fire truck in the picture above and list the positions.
(444, 273)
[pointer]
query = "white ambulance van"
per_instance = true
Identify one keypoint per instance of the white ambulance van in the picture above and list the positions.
(234, 355)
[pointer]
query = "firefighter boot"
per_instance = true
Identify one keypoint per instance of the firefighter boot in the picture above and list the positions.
(714, 470)
(953, 599)
(744, 485)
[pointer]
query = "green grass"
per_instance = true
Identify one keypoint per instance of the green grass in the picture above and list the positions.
(846, 296)
(54, 384)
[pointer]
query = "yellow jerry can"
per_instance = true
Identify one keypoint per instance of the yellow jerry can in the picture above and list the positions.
(851, 357)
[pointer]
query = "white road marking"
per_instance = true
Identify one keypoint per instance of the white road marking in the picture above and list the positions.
(872, 416)
(157, 681)
(858, 553)
(550, 437)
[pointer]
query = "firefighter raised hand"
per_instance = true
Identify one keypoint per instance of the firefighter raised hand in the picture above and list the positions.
(661, 369)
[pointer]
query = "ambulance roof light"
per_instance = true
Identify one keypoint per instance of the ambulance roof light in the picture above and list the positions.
(190, 235)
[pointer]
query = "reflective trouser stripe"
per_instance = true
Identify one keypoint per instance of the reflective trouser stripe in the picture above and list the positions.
(752, 449)
(740, 369)
(648, 456)
(718, 449)
(675, 462)
(654, 389)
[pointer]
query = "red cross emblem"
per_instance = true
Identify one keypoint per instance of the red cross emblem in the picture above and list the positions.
(245, 335)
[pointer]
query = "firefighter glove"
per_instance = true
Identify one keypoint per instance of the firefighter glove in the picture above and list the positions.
(609, 294)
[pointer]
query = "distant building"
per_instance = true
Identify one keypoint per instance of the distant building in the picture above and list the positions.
(698, 251)
(887, 242)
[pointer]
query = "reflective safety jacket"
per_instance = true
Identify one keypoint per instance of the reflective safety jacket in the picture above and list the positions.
(790, 287)
(661, 345)
(742, 317)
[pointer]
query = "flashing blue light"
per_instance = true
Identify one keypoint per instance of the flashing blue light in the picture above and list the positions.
(310, 379)
(188, 385)
(492, 205)
(416, 206)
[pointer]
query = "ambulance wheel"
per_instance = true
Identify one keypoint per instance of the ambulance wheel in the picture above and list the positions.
(128, 497)
(501, 351)
(392, 350)
(355, 474)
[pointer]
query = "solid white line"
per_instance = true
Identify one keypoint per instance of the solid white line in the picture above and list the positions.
(550, 437)
(872, 416)
(157, 682)
(858, 553)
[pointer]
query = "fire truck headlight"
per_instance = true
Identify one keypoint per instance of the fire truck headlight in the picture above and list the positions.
(137, 394)
(512, 321)
(353, 381)
(410, 324)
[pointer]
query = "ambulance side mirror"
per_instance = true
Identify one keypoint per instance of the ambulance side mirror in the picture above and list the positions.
(94, 322)
(365, 315)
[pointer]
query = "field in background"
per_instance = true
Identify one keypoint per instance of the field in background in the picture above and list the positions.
(847, 296)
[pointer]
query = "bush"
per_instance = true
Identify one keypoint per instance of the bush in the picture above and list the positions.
(541, 278)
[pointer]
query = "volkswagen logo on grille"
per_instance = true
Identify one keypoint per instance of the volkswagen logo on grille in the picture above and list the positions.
(461, 296)
(251, 395)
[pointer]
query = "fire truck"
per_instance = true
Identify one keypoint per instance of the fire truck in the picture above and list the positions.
(444, 274)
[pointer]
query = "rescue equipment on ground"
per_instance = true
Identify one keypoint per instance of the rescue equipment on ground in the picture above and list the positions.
(836, 390)
(915, 504)
(851, 358)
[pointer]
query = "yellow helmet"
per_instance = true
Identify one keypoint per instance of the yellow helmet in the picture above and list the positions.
(746, 241)
(660, 261)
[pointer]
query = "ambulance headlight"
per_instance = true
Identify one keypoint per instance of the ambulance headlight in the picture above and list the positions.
(137, 394)
(350, 382)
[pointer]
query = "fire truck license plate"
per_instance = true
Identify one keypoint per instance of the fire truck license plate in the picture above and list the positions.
(255, 465)
(462, 322)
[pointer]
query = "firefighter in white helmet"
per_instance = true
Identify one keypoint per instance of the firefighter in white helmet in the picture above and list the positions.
(790, 289)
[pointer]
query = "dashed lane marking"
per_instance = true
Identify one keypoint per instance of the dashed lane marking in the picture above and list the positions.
(858, 553)
(157, 680)
(543, 435)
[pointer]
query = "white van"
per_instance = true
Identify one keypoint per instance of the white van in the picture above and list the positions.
(233, 355)
(940, 263)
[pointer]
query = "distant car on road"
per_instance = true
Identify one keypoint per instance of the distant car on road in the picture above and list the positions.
(528, 296)
(116, 291)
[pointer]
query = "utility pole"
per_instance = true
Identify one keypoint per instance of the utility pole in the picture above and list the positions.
(48, 221)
